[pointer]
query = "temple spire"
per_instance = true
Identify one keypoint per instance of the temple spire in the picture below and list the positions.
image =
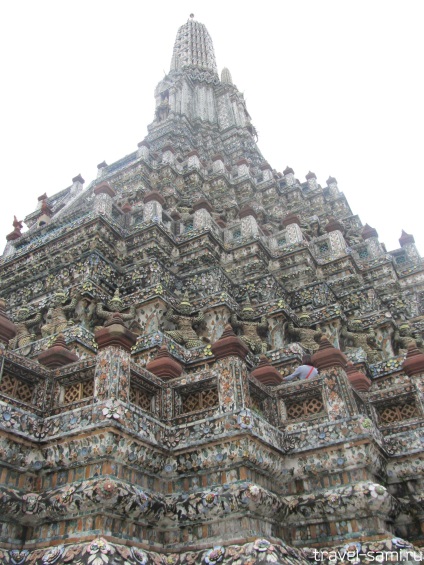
(193, 47)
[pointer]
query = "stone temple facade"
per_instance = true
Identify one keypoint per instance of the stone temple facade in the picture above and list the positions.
(146, 324)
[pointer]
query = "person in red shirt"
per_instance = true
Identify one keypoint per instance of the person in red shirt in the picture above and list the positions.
(304, 371)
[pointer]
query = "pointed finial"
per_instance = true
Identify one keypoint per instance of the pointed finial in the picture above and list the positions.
(185, 301)
(404, 239)
(226, 76)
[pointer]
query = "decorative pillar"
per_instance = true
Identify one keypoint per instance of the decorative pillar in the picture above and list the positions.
(337, 242)
(266, 171)
(143, 150)
(407, 242)
(289, 176)
(168, 155)
(193, 161)
(249, 225)
(243, 168)
(293, 233)
(78, 184)
(312, 181)
(413, 366)
(12, 237)
(331, 363)
(153, 204)
(202, 214)
(103, 199)
(46, 214)
(101, 169)
(7, 327)
(233, 389)
(370, 235)
(112, 374)
(333, 188)
(128, 218)
(218, 164)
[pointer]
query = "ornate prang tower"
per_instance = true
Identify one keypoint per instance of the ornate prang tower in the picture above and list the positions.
(146, 324)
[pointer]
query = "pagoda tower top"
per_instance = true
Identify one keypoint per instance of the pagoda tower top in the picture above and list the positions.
(193, 47)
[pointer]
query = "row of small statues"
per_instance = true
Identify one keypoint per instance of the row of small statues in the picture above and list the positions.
(186, 333)
(56, 317)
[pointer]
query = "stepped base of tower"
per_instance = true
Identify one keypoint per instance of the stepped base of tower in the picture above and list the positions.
(224, 483)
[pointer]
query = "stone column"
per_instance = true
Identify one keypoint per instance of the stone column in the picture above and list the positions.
(202, 214)
(233, 388)
(333, 189)
(289, 176)
(103, 199)
(193, 161)
(112, 374)
(128, 218)
(370, 235)
(337, 242)
(249, 225)
(168, 155)
(266, 171)
(78, 184)
(331, 363)
(101, 168)
(243, 168)
(46, 214)
(293, 233)
(153, 203)
(12, 237)
(7, 327)
(143, 150)
(218, 164)
(312, 181)
(407, 242)
(414, 368)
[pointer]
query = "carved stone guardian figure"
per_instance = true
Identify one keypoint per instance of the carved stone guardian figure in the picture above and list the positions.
(360, 337)
(307, 337)
(114, 305)
(404, 337)
(185, 322)
(24, 321)
(251, 329)
(56, 317)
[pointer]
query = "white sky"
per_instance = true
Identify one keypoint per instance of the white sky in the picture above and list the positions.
(333, 86)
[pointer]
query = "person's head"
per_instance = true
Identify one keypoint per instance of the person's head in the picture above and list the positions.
(307, 360)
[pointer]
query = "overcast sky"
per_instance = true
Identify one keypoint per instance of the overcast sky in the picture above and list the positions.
(332, 86)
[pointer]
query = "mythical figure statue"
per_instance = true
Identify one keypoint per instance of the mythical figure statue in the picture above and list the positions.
(312, 228)
(360, 337)
(307, 337)
(84, 312)
(23, 322)
(185, 322)
(404, 337)
(114, 305)
(251, 329)
(56, 319)
(353, 236)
